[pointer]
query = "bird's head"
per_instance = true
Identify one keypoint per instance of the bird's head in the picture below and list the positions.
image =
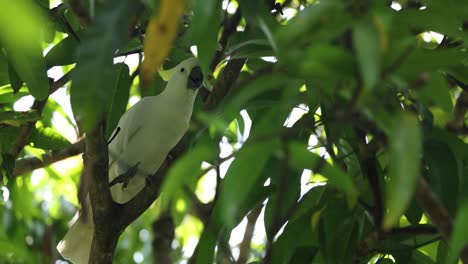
(187, 74)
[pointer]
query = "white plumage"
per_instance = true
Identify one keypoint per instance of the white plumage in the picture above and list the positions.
(144, 136)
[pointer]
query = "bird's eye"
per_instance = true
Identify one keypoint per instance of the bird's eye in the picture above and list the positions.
(182, 69)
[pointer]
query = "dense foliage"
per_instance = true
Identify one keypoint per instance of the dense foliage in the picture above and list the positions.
(327, 131)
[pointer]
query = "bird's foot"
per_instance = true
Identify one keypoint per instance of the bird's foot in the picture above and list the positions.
(125, 178)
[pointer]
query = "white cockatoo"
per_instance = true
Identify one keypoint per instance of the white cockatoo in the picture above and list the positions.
(142, 140)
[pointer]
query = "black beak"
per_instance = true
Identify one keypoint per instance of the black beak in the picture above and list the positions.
(195, 78)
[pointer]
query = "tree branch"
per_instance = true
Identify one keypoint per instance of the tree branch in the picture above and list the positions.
(225, 82)
(230, 26)
(105, 211)
(80, 12)
(29, 164)
(244, 248)
(163, 236)
(436, 211)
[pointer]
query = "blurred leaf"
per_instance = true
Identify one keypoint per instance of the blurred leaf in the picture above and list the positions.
(459, 238)
(4, 78)
(16, 119)
(8, 165)
(240, 180)
(405, 154)
(287, 185)
(15, 80)
(313, 16)
(436, 92)
(437, 18)
(301, 158)
(8, 135)
(203, 31)
(299, 231)
(420, 60)
(458, 72)
(206, 246)
(30, 66)
(48, 139)
(443, 172)
(22, 44)
(64, 53)
(186, 170)
(8, 96)
(442, 251)
(160, 34)
(119, 97)
(367, 48)
(93, 74)
(239, 98)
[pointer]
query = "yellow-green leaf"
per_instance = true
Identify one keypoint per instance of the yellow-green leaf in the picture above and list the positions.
(160, 33)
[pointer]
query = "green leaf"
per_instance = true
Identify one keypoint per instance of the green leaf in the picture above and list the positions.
(367, 47)
(64, 53)
(4, 78)
(310, 18)
(119, 97)
(48, 139)
(443, 172)
(206, 246)
(459, 238)
(186, 170)
(276, 213)
(296, 234)
(8, 96)
(15, 80)
(299, 230)
(93, 76)
(423, 60)
(203, 31)
(7, 165)
(301, 158)
(16, 119)
(458, 72)
(22, 44)
(30, 67)
(405, 154)
(239, 98)
(436, 92)
(241, 178)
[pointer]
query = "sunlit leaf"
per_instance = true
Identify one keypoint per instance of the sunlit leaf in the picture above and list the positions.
(48, 139)
(14, 118)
